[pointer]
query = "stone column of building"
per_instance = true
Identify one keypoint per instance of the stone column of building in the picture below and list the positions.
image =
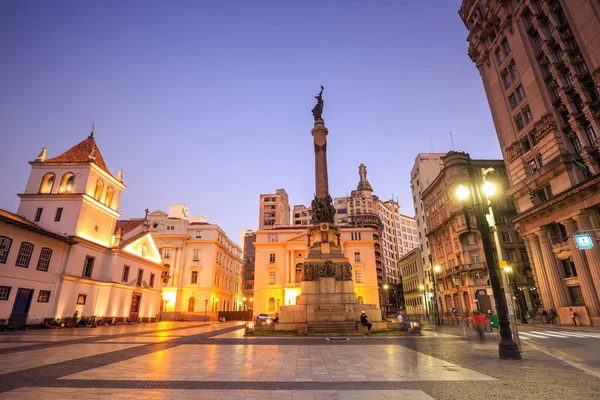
(286, 267)
(555, 283)
(583, 270)
(593, 254)
(539, 270)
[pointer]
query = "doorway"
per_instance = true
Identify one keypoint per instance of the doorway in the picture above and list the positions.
(20, 311)
(136, 299)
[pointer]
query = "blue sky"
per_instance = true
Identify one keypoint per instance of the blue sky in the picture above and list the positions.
(208, 103)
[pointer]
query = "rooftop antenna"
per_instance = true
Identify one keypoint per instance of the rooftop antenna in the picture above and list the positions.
(452, 139)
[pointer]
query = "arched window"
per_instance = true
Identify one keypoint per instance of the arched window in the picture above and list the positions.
(109, 196)
(99, 188)
(66, 184)
(299, 272)
(271, 304)
(47, 183)
(24, 256)
(191, 304)
(361, 300)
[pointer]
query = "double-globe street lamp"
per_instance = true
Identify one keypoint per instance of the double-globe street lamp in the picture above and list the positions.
(507, 348)
(436, 270)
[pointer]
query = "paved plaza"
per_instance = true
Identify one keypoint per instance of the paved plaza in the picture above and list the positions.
(216, 361)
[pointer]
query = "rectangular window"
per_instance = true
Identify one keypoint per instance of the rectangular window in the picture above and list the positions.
(569, 268)
(272, 258)
(272, 278)
(499, 56)
(81, 298)
(38, 214)
(511, 256)
(576, 295)
(514, 72)
(591, 134)
(5, 244)
(359, 277)
(4, 292)
(513, 101)
(357, 256)
(44, 296)
(198, 234)
(88, 266)
(520, 93)
(194, 277)
(44, 260)
(527, 116)
(140, 276)
(196, 255)
(505, 78)
(167, 254)
(505, 46)
(125, 276)
(506, 237)
(524, 256)
(474, 258)
(58, 215)
(576, 144)
(24, 255)
(519, 122)
(471, 239)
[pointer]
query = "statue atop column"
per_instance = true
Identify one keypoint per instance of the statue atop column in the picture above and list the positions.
(317, 110)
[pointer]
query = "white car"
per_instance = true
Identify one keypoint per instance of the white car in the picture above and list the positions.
(265, 319)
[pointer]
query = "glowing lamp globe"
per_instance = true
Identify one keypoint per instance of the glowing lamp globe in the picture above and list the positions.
(489, 189)
(462, 192)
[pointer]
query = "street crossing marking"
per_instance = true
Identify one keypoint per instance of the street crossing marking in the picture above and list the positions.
(554, 335)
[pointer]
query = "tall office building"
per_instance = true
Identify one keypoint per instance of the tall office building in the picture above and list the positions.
(539, 62)
(274, 210)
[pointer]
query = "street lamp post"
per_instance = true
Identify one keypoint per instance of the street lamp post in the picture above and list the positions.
(244, 299)
(456, 280)
(507, 348)
(422, 290)
(385, 295)
(205, 307)
(436, 270)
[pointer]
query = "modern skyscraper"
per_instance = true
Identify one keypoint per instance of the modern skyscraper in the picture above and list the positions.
(539, 62)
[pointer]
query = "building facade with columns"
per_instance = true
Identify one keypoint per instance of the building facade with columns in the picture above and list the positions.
(455, 242)
(540, 66)
(279, 265)
(65, 252)
(202, 266)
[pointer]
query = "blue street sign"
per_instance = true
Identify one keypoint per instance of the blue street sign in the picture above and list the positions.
(584, 241)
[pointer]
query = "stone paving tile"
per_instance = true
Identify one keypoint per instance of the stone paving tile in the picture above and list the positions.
(40, 338)
(7, 345)
(300, 363)
(156, 394)
(139, 339)
(37, 358)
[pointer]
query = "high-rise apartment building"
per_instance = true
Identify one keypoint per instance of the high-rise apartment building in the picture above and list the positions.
(248, 270)
(426, 168)
(274, 209)
(455, 241)
(540, 66)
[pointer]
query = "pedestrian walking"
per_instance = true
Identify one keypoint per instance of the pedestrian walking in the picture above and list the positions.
(479, 324)
(552, 317)
(573, 315)
(364, 320)
(544, 316)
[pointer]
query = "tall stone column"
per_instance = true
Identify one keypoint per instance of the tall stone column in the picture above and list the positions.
(553, 273)
(583, 270)
(319, 133)
(539, 270)
(593, 255)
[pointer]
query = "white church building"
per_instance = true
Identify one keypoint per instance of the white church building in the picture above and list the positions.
(64, 250)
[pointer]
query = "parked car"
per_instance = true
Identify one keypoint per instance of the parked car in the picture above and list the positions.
(265, 319)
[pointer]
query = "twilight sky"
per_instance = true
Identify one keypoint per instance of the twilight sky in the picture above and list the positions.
(208, 103)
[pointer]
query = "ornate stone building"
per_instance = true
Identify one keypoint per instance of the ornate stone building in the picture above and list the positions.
(202, 266)
(455, 242)
(540, 66)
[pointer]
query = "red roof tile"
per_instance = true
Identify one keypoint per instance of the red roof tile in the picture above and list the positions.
(128, 225)
(79, 154)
